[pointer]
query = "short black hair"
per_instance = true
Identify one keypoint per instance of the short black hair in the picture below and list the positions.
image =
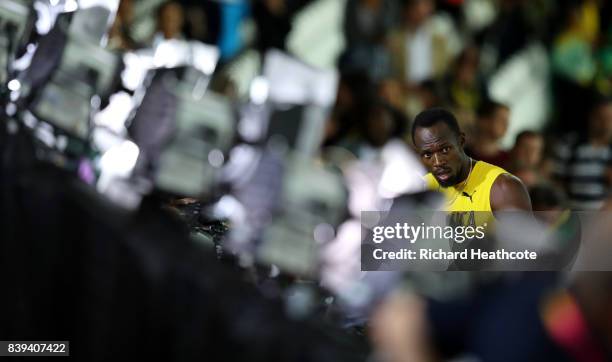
(432, 116)
(488, 108)
(526, 133)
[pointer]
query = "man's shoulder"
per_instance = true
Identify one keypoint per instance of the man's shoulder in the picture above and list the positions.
(509, 192)
(498, 175)
(490, 170)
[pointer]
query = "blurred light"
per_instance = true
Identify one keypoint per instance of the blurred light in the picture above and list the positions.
(70, 6)
(242, 164)
(61, 142)
(300, 301)
(402, 171)
(111, 5)
(86, 172)
(215, 158)
(95, 102)
(259, 90)
(137, 64)
(45, 18)
(116, 113)
(44, 133)
(54, 2)
(116, 165)
(14, 96)
(11, 109)
(204, 57)
(324, 233)
(274, 271)
(29, 120)
(171, 53)
(14, 85)
(362, 190)
(246, 260)
(227, 207)
(25, 60)
(120, 160)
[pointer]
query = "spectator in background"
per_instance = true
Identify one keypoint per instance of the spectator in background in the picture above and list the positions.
(368, 21)
(273, 21)
(507, 35)
(419, 50)
(120, 36)
(551, 208)
(573, 62)
(463, 90)
(528, 149)
(377, 125)
(366, 24)
(526, 158)
(491, 126)
(390, 90)
(202, 20)
(170, 21)
(355, 94)
(454, 8)
(548, 199)
(584, 164)
(230, 41)
(603, 78)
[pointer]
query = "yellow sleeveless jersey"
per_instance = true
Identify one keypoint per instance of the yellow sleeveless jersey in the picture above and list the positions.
(472, 197)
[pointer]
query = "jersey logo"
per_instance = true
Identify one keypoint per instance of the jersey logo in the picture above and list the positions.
(468, 195)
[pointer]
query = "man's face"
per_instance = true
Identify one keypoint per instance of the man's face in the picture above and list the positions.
(529, 150)
(379, 127)
(441, 152)
(417, 12)
(172, 20)
(496, 125)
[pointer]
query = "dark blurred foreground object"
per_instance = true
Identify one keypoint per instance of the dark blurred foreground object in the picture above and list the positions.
(120, 284)
(136, 288)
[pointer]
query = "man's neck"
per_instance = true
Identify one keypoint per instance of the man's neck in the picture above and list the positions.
(466, 166)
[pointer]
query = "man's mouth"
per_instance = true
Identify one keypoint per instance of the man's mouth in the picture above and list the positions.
(443, 175)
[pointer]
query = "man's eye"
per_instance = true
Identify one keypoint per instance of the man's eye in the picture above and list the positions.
(445, 149)
(427, 155)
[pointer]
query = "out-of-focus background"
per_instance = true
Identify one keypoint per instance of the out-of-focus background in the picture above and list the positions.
(185, 180)
(524, 78)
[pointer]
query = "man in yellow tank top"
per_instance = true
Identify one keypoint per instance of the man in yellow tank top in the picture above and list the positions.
(469, 185)
(474, 190)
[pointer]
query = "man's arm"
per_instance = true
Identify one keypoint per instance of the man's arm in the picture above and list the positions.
(509, 193)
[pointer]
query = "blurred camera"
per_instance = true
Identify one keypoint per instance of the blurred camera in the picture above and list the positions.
(15, 19)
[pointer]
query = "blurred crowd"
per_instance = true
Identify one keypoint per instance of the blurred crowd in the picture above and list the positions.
(418, 54)
(402, 56)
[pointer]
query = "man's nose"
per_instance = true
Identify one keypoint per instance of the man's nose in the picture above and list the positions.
(438, 160)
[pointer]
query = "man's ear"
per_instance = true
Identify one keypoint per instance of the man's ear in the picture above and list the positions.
(461, 139)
